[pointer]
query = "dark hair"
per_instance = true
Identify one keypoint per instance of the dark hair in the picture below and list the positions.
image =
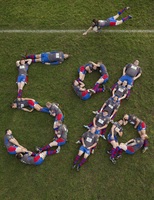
(19, 155)
(6, 130)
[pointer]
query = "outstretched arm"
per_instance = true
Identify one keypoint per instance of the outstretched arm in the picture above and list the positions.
(89, 29)
(27, 110)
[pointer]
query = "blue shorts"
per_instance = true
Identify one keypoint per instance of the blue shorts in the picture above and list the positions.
(44, 58)
(85, 150)
(141, 126)
(127, 78)
(21, 78)
(39, 161)
(111, 139)
(86, 97)
(112, 19)
(130, 150)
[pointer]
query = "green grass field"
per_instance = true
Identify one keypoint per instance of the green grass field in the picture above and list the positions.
(132, 176)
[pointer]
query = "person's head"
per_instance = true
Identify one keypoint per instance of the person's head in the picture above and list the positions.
(120, 122)
(14, 105)
(144, 136)
(66, 56)
(76, 83)
(126, 117)
(19, 155)
(105, 113)
(99, 62)
(93, 129)
(136, 62)
(115, 98)
(58, 123)
(22, 61)
(48, 104)
(95, 21)
(124, 83)
(8, 132)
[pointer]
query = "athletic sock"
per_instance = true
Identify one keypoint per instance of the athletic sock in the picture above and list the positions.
(77, 158)
(33, 154)
(128, 94)
(145, 143)
(82, 161)
(51, 152)
(113, 153)
(45, 148)
(121, 11)
(114, 86)
(126, 18)
(32, 56)
(96, 87)
(19, 93)
(44, 109)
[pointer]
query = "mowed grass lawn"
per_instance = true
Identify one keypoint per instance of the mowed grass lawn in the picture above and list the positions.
(132, 176)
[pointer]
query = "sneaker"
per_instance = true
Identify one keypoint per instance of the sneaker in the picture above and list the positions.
(118, 156)
(74, 166)
(144, 149)
(103, 136)
(103, 87)
(130, 17)
(108, 152)
(127, 8)
(112, 122)
(93, 91)
(78, 142)
(38, 149)
(95, 112)
(113, 160)
(78, 168)
(87, 127)
(58, 149)
(92, 151)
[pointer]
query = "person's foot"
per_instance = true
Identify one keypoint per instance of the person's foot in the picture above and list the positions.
(38, 149)
(103, 136)
(78, 142)
(113, 160)
(144, 149)
(127, 8)
(108, 152)
(78, 168)
(95, 112)
(118, 156)
(74, 166)
(130, 17)
(58, 149)
(87, 127)
(103, 87)
(92, 151)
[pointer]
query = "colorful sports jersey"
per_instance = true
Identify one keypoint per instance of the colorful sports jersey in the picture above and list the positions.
(84, 68)
(55, 109)
(56, 56)
(132, 119)
(120, 90)
(62, 130)
(101, 23)
(132, 70)
(7, 139)
(22, 69)
(103, 69)
(139, 144)
(117, 126)
(89, 138)
(24, 103)
(84, 95)
(32, 160)
(120, 129)
(102, 120)
(111, 105)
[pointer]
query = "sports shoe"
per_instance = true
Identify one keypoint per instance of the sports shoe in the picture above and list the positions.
(103, 136)
(78, 168)
(87, 127)
(95, 112)
(112, 122)
(38, 149)
(92, 151)
(74, 166)
(108, 152)
(113, 160)
(118, 156)
(144, 149)
(78, 142)
(130, 17)
(103, 87)
(58, 149)
(127, 8)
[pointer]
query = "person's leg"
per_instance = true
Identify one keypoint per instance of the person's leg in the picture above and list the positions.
(118, 22)
(78, 156)
(40, 108)
(84, 159)
(120, 12)
(34, 57)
